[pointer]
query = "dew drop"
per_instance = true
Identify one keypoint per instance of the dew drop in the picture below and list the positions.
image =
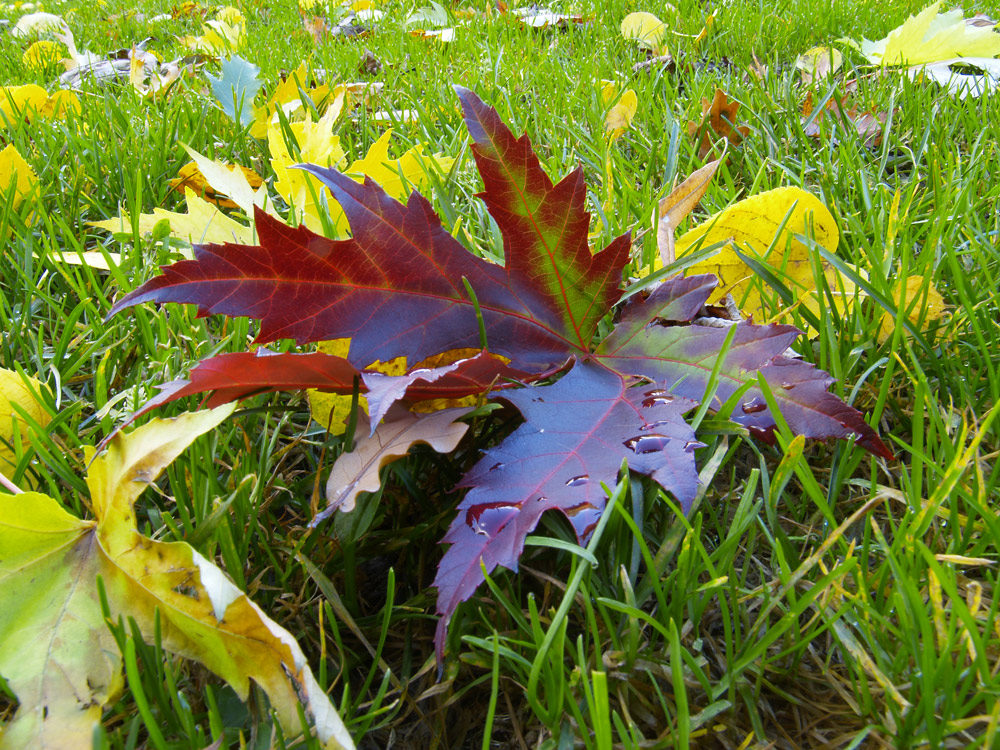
(655, 425)
(489, 518)
(496, 466)
(656, 392)
(578, 481)
(651, 443)
(656, 400)
(787, 386)
(753, 406)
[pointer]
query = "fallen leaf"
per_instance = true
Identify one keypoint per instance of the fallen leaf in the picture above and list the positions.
(17, 179)
(537, 17)
(358, 470)
(867, 125)
(818, 63)
(930, 37)
(221, 36)
(66, 669)
(399, 287)
(294, 96)
(706, 30)
(234, 181)
(444, 36)
(23, 393)
(924, 305)
(646, 30)
(190, 176)
(38, 23)
(961, 76)
(675, 207)
(752, 225)
(42, 55)
(203, 223)
(620, 114)
(236, 88)
(718, 120)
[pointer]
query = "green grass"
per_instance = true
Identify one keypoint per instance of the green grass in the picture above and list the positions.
(815, 598)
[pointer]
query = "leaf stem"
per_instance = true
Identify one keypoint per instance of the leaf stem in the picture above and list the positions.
(9, 485)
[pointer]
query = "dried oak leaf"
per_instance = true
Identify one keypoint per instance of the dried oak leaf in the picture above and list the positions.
(718, 120)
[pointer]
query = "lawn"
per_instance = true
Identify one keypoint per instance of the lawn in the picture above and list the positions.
(814, 595)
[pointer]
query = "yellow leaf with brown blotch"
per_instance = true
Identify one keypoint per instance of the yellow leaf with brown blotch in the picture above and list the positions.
(56, 652)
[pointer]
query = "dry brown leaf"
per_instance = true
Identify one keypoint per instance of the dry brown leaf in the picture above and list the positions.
(868, 125)
(358, 471)
(678, 204)
(718, 120)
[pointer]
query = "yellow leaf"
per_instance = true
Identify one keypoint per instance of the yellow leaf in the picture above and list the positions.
(398, 176)
(203, 223)
(42, 55)
(818, 62)
(288, 97)
(56, 653)
(620, 114)
(224, 35)
(21, 102)
(931, 36)
(752, 225)
(14, 390)
(332, 410)
(30, 101)
(644, 28)
(17, 178)
(317, 145)
(924, 305)
(233, 181)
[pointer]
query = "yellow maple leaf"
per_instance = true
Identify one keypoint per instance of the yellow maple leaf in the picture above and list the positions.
(288, 97)
(929, 37)
(223, 35)
(923, 306)
(203, 223)
(65, 669)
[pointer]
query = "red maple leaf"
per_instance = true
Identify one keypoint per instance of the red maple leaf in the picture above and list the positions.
(397, 288)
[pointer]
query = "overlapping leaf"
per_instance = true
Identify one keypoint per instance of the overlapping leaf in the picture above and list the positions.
(56, 651)
(397, 288)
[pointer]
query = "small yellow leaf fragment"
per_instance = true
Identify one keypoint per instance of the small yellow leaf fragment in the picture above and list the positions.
(17, 178)
(332, 410)
(819, 62)
(14, 390)
(621, 113)
(924, 305)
